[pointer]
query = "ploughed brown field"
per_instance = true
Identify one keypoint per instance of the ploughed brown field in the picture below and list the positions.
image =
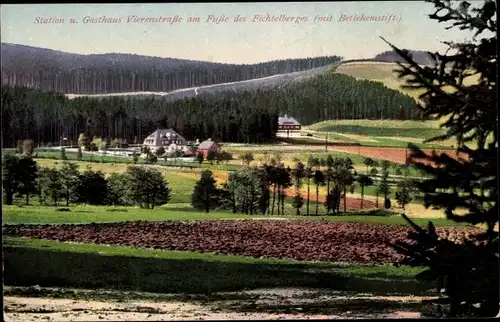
(352, 203)
(397, 155)
(290, 239)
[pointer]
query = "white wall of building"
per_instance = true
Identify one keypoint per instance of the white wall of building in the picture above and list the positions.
(284, 134)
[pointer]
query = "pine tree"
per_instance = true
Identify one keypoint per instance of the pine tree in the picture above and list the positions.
(383, 186)
(205, 193)
(297, 202)
(468, 273)
(69, 179)
(404, 192)
(117, 188)
(147, 187)
(26, 177)
(319, 179)
(368, 162)
(10, 183)
(92, 187)
(364, 181)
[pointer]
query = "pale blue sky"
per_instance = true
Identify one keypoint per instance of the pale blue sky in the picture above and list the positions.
(232, 42)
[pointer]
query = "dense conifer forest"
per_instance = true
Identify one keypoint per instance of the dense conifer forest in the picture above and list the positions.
(61, 72)
(235, 116)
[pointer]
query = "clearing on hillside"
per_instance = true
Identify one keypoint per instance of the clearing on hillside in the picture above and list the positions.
(385, 128)
(384, 72)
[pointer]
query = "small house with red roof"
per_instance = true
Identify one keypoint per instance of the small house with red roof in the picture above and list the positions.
(207, 146)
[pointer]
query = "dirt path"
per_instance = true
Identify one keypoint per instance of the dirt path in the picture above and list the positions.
(264, 304)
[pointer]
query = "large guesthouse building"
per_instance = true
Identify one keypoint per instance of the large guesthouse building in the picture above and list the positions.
(288, 127)
(166, 138)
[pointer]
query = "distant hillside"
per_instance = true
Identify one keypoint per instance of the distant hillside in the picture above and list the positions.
(62, 72)
(419, 56)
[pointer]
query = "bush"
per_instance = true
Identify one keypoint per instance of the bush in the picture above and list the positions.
(28, 147)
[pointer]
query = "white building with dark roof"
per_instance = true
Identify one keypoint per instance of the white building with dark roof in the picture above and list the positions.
(166, 138)
(288, 127)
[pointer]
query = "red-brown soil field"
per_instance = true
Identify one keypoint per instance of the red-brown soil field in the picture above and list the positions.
(299, 240)
(352, 203)
(397, 155)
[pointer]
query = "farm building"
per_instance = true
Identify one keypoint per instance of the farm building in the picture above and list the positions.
(166, 138)
(288, 127)
(207, 146)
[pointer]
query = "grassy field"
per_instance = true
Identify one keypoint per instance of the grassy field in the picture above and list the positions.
(53, 264)
(385, 73)
(388, 133)
(373, 131)
(377, 124)
(87, 214)
(380, 141)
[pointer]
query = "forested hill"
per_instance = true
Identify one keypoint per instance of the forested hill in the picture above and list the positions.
(51, 70)
(234, 116)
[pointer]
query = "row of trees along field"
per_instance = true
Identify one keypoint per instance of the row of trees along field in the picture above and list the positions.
(140, 186)
(244, 116)
(263, 189)
(250, 190)
(111, 73)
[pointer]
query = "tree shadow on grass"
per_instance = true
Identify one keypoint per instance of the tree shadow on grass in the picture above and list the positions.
(183, 209)
(48, 268)
(325, 307)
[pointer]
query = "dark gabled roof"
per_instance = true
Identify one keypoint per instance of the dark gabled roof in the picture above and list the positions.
(157, 135)
(282, 120)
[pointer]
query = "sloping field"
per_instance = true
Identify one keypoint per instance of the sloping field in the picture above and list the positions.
(386, 128)
(390, 124)
(384, 72)
(386, 133)
(377, 71)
